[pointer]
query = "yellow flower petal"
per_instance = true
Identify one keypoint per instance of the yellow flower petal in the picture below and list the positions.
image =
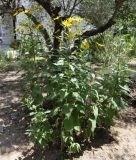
(68, 22)
(85, 45)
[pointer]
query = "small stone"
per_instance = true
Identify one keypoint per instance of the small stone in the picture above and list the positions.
(13, 116)
(1, 129)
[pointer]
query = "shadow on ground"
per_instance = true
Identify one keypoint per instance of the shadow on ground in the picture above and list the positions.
(53, 153)
(12, 115)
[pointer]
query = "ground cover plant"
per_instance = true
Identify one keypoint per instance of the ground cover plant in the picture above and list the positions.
(75, 79)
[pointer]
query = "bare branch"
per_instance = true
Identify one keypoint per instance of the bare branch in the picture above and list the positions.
(73, 7)
(64, 7)
(53, 11)
(76, 3)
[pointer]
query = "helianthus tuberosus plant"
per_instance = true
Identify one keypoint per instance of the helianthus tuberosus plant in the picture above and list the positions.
(67, 97)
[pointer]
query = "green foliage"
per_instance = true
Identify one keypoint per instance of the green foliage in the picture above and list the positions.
(8, 60)
(77, 92)
(97, 11)
(31, 46)
(78, 99)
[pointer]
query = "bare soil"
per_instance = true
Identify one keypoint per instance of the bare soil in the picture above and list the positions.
(118, 144)
(13, 123)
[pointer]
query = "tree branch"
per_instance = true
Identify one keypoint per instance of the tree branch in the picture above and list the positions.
(50, 9)
(53, 11)
(43, 31)
(73, 7)
(75, 4)
(93, 32)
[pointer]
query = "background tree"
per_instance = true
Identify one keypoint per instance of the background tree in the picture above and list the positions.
(64, 10)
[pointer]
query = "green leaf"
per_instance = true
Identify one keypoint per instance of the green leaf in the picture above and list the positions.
(52, 96)
(36, 90)
(40, 141)
(75, 82)
(63, 94)
(75, 117)
(68, 139)
(123, 104)
(59, 63)
(47, 112)
(68, 124)
(55, 111)
(96, 94)
(113, 101)
(72, 122)
(81, 109)
(74, 147)
(77, 128)
(93, 75)
(119, 102)
(93, 124)
(61, 75)
(67, 110)
(72, 67)
(95, 111)
(125, 87)
(78, 97)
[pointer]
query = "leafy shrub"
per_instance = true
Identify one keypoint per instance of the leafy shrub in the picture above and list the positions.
(78, 99)
(68, 98)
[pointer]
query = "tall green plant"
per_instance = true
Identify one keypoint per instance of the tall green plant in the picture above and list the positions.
(77, 100)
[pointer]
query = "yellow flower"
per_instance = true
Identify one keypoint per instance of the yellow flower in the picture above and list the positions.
(71, 19)
(85, 45)
(99, 44)
(68, 22)
(39, 26)
(28, 12)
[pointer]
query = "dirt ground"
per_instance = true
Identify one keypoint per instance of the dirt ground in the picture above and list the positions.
(119, 144)
(13, 141)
